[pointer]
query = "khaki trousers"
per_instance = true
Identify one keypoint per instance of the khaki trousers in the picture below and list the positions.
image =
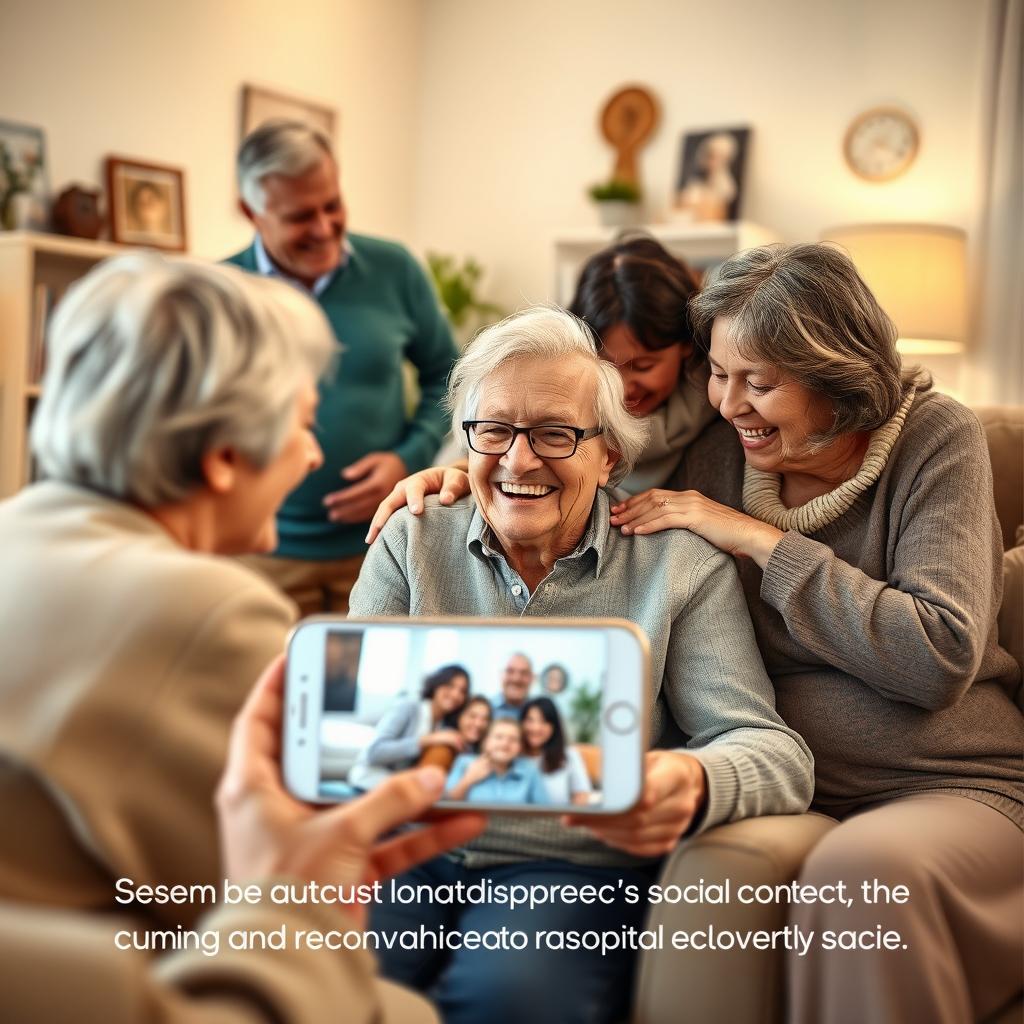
(963, 924)
(316, 587)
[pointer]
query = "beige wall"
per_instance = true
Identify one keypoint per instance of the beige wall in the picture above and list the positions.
(510, 93)
(162, 81)
(469, 126)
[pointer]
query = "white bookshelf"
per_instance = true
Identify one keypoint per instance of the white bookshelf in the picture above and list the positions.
(29, 260)
(701, 245)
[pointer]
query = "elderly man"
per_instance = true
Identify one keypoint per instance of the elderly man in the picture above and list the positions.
(383, 311)
(516, 681)
(547, 431)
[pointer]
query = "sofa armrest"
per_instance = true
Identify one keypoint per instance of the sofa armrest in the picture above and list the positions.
(735, 985)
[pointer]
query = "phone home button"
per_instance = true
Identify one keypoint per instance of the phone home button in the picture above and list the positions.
(620, 717)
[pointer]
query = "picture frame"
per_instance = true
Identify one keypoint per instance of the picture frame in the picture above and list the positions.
(260, 105)
(709, 186)
(147, 204)
(24, 181)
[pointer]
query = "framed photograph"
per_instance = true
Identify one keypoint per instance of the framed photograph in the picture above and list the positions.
(24, 189)
(710, 182)
(260, 105)
(147, 204)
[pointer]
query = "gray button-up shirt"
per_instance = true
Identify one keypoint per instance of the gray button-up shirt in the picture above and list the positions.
(710, 694)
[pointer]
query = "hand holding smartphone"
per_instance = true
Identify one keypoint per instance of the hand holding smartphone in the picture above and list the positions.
(545, 716)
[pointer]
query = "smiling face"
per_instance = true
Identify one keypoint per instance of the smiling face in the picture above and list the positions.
(773, 414)
(553, 680)
(303, 222)
(474, 720)
(517, 679)
(450, 696)
(503, 742)
(537, 730)
(533, 505)
(649, 376)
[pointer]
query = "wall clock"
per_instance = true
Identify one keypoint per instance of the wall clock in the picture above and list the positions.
(881, 143)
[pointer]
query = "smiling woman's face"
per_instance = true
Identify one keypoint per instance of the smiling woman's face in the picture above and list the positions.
(773, 414)
(649, 376)
(530, 502)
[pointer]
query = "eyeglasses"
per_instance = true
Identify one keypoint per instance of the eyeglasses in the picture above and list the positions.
(547, 441)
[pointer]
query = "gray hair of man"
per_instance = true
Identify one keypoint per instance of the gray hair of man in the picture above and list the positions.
(545, 332)
(279, 146)
(153, 362)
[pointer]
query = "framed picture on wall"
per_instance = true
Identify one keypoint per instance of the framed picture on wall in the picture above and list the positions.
(23, 185)
(147, 204)
(260, 105)
(710, 182)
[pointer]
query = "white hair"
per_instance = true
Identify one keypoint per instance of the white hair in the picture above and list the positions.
(279, 146)
(154, 361)
(545, 332)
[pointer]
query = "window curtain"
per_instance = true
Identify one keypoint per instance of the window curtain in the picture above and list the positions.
(1000, 323)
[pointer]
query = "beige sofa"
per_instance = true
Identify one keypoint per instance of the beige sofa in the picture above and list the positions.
(745, 987)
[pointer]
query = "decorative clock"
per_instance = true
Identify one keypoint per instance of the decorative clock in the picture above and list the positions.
(881, 144)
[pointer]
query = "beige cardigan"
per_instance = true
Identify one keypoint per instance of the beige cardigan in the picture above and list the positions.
(123, 658)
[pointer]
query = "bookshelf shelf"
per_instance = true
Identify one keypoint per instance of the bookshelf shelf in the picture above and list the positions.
(35, 270)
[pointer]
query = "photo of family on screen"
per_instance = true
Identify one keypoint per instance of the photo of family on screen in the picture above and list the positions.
(510, 722)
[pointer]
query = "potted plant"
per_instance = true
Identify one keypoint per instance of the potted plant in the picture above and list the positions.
(618, 203)
(457, 288)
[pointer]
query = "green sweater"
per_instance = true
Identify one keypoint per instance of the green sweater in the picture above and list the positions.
(383, 310)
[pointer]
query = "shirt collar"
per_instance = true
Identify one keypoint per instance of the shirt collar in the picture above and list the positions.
(480, 541)
(266, 266)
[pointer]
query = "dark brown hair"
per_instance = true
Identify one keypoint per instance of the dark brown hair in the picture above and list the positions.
(637, 282)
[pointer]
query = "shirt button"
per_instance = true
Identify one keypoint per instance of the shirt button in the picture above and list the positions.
(516, 589)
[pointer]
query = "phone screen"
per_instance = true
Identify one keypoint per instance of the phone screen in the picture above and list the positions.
(525, 716)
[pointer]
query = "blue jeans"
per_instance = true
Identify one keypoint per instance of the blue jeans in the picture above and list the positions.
(531, 986)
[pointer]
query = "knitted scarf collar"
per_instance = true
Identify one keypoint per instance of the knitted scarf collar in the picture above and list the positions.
(671, 428)
(761, 491)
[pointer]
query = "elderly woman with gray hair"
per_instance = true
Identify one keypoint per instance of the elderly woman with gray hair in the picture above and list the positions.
(548, 431)
(860, 502)
(175, 416)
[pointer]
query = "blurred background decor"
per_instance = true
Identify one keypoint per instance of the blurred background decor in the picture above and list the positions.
(23, 188)
(710, 183)
(918, 273)
(881, 143)
(457, 285)
(260, 105)
(76, 212)
(618, 203)
(628, 120)
(147, 204)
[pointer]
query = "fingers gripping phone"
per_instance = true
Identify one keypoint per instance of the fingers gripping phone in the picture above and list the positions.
(545, 716)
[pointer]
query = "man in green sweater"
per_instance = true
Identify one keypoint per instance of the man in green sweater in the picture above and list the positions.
(383, 311)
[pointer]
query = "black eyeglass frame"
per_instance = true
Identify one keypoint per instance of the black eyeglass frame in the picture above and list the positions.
(581, 434)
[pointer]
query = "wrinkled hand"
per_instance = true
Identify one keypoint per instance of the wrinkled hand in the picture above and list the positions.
(443, 738)
(375, 474)
(266, 832)
(733, 532)
(675, 790)
(450, 482)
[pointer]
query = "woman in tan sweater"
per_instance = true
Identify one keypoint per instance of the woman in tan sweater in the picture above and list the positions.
(860, 504)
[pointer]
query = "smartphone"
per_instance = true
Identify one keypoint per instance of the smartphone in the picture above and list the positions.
(545, 716)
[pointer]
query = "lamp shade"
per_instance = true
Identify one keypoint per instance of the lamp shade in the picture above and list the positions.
(918, 273)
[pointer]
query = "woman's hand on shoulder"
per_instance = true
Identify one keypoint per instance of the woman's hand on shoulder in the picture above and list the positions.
(733, 532)
(443, 738)
(449, 482)
(675, 791)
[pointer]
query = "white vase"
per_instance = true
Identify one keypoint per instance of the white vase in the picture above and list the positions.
(617, 213)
